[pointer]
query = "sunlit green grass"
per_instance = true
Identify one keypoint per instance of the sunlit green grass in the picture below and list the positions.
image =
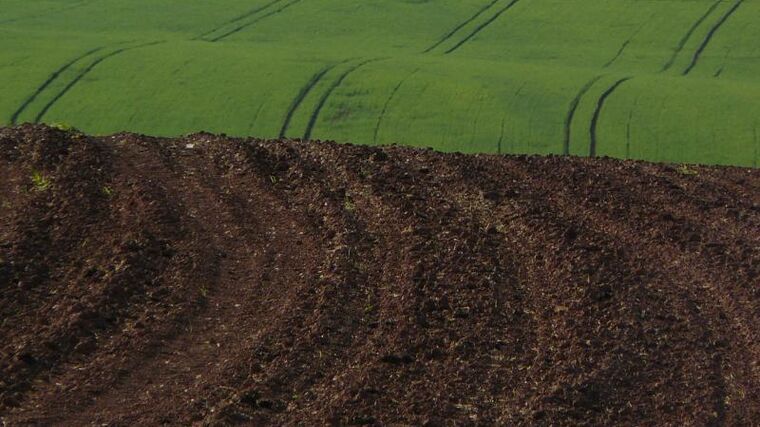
(385, 72)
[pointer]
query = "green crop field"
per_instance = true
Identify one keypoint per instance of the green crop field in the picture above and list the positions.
(666, 80)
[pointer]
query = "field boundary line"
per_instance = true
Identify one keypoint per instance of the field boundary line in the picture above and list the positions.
(685, 39)
(482, 26)
(48, 82)
(388, 102)
(236, 19)
(248, 24)
(326, 96)
(573, 109)
(451, 33)
(84, 72)
(710, 36)
(302, 94)
(598, 113)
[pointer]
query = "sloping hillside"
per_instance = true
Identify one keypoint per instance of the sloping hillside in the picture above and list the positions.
(222, 281)
(666, 80)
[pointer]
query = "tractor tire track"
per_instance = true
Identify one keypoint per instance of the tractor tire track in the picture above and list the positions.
(598, 113)
(619, 53)
(257, 20)
(326, 96)
(501, 138)
(573, 109)
(482, 26)
(302, 94)
(710, 35)
(49, 12)
(255, 118)
(685, 39)
(388, 102)
(84, 72)
(456, 29)
(48, 82)
(625, 46)
(237, 19)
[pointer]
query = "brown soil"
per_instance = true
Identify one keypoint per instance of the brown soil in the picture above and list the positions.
(214, 281)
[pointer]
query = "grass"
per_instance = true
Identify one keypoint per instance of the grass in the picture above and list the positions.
(464, 75)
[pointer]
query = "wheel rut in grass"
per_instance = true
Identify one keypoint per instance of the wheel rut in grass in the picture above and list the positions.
(685, 39)
(482, 27)
(302, 94)
(388, 103)
(456, 29)
(708, 38)
(572, 110)
(53, 77)
(323, 100)
(239, 18)
(49, 12)
(225, 32)
(41, 115)
(598, 112)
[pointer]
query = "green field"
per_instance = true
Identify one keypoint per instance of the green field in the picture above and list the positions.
(666, 80)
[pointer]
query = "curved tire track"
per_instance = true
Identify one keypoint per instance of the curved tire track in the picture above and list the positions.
(259, 19)
(388, 102)
(84, 72)
(49, 12)
(302, 94)
(48, 82)
(572, 110)
(451, 33)
(482, 26)
(687, 36)
(326, 96)
(710, 35)
(598, 113)
(237, 19)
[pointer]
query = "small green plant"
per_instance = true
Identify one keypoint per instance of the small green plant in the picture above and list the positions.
(685, 170)
(107, 191)
(62, 126)
(349, 204)
(40, 181)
